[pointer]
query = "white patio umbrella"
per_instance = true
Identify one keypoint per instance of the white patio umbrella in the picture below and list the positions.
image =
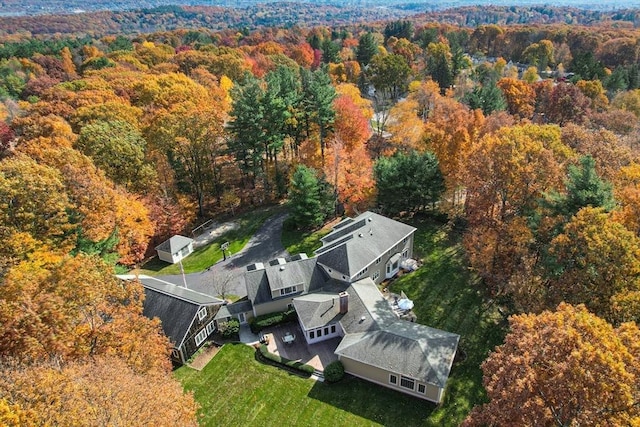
(405, 304)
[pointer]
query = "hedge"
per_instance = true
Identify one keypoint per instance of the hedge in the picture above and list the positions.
(283, 361)
(261, 322)
(229, 329)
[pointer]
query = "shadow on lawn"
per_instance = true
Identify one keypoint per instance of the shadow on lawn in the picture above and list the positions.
(373, 402)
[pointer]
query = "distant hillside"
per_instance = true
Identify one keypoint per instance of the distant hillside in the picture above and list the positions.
(289, 14)
(40, 7)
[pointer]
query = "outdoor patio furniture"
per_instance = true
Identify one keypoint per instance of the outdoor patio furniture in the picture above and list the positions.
(288, 338)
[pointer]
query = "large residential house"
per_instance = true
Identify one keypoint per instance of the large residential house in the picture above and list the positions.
(335, 294)
(187, 316)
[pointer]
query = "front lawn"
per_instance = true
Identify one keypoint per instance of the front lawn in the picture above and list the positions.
(236, 390)
(205, 256)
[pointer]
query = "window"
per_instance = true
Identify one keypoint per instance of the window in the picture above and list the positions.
(312, 335)
(202, 335)
(288, 290)
(175, 353)
(375, 275)
(378, 260)
(326, 330)
(333, 329)
(210, 328)
(393, 379)
(395, 265)
(388, 268)
(404, 240)
(422, 389)
(202, 313)
(319, 332)
(407, 382)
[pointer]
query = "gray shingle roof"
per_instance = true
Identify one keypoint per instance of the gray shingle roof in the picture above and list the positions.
(175, 306)
(350, 247)
(317, 309)
(174, 244)
(176, 315)
(178, 292)
(375, 336)
(229, 310)
(302, 273)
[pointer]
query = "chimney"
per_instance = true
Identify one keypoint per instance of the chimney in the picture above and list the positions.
(344, 302)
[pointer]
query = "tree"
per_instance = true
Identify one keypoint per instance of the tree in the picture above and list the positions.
(74, 307)
(539, 54)
(583, 188)
(222, 283)
(566, 103)
(593, 259)
(408, 182)
(486, 97)
(440, 65)
(118, 149)
(100, 391)
(367, 48)
(306, 199)
(506, 175)
(351, 170)
(520, 97)
(562, 368)
(389, 75)
(318, 96)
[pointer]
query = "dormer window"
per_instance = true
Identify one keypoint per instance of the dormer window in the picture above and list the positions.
(288, 290)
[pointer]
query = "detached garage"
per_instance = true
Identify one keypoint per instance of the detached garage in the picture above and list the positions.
(175, 249)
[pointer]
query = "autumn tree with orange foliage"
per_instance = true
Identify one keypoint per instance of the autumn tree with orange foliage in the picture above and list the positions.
(519, 95)
(74, 307)
(450, 131)
(563, 368)
(98, 391)
(505, 176)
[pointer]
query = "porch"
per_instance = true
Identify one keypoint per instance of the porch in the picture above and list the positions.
(317, 355)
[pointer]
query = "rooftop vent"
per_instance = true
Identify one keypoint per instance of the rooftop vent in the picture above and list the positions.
(282, 268)
(360, 235)
(369, 219)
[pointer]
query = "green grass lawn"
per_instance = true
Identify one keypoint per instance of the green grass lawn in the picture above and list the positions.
(236, 390)
(205, 256)
(447, 298)
(296, 242)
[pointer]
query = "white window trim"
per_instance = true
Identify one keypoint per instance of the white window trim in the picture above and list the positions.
(375, 275)
(402, 377)
(202, 313)
(424, 388)
(201, 336)
(292, 290)
(393, 379)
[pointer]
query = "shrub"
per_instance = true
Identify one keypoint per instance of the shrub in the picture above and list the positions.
(261, 322)
(334, 372)
(283, 361)
(229, 329)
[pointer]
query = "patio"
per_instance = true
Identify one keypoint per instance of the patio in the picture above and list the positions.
(317, 355)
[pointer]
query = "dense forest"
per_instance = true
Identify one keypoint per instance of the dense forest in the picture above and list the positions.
(525, 137)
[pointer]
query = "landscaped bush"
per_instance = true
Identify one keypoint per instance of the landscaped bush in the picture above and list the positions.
(283, 361)
(261, 322)
(334, 372)
(229, 329)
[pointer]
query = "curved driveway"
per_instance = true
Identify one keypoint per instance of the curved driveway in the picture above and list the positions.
(263, 246)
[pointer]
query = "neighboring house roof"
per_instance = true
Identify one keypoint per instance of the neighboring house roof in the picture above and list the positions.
(296, 271)
(317, 309)
(175, 306)
(174, 244)
(374, 335)
(230, 310)
(355, 243)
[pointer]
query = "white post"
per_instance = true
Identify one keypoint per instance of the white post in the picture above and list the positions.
(184, 278)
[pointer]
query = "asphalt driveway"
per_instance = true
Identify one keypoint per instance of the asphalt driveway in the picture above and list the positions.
(263, 246)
